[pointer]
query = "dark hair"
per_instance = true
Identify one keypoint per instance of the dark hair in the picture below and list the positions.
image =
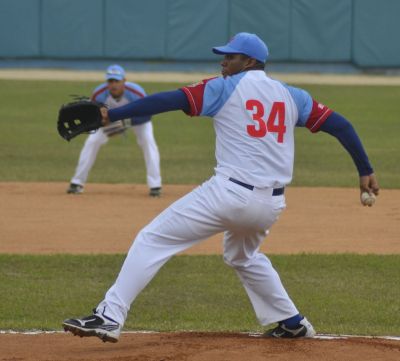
(259, 65)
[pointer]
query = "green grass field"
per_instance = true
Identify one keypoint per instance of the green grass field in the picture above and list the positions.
(339, 293)
(346, 294)
(31, 150)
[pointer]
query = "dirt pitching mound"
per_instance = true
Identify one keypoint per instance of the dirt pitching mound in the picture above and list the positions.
(193, 347)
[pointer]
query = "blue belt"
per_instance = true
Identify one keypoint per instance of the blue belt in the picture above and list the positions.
(275, 192)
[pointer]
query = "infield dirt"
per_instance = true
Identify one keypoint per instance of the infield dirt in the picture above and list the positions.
(40, 218)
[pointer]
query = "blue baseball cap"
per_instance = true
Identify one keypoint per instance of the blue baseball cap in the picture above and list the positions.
(247, 44)
(116, 72)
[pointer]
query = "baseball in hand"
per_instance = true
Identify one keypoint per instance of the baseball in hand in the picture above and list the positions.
(367, 199)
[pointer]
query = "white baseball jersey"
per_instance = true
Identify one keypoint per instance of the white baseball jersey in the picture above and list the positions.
(254, 120)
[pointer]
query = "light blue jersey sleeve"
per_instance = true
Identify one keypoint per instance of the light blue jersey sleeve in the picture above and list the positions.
(100, 93)
(216, 93)
(135, 90)
(303, 102)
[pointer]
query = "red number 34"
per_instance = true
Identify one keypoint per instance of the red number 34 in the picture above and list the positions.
(274, 124)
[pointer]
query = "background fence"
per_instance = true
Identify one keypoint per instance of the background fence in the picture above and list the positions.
(364, 32)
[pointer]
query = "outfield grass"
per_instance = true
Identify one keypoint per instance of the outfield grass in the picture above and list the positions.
(31, 150)
(350, 294)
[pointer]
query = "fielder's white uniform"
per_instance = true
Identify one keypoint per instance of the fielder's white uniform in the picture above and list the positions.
(142, 128)
(254, 119)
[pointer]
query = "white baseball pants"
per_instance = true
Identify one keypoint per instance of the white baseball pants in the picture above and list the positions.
(146, 141)
(218, 205)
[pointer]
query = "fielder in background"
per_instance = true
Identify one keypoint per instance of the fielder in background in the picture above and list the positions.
(115, 93)
(254, 119)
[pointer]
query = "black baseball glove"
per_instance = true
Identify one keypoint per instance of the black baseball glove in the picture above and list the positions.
(79, 117)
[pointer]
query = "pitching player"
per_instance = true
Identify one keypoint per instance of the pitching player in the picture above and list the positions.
(115, 93)
(254, 119)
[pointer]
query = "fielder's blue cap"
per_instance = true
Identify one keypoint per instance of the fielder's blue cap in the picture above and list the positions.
(116, 72)
(245, 43)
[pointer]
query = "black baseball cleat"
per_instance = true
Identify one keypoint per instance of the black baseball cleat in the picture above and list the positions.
(155, 192)
(75, 189)
(97, 325)
(305, 329)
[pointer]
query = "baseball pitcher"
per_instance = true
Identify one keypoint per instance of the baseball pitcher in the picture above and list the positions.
(114, 93)
(254, 119)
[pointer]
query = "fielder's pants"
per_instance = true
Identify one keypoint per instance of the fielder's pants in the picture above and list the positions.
(218, 205)
(146, 141)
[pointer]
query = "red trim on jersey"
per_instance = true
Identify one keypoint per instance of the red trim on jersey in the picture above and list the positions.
(318, 115)
(134, 91)
(193, 109)
(101, 90)
(195, 94)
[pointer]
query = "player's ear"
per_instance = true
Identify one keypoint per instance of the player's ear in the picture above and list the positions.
(252, 62)
(249, 62)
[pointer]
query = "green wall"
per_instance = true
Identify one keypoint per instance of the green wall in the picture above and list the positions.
(364, 32)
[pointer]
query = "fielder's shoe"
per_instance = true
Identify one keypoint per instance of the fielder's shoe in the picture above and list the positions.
(97, 325)
(75, 189)
(305, 329)
(155, 192)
